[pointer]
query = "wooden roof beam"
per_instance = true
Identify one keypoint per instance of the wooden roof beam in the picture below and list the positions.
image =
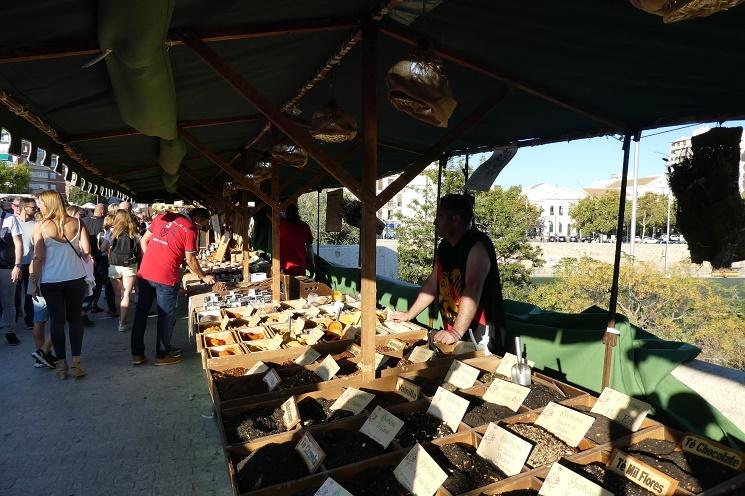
(306, 186)
(441, 146)
(297, 134)
(79, 48)
(411, 38)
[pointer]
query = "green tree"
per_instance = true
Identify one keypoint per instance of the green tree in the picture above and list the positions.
(678, 307)
(308, 207)
(14, 178)
(79, 197)
(598, 213)
(651, 211)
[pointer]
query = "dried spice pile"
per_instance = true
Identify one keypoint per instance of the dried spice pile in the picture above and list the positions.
(548, 448)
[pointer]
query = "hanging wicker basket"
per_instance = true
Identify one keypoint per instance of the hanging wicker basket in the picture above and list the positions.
(331, 124)
(262, 171)
(289, 154)
(418, 87)
(710, 212)
(683, 10)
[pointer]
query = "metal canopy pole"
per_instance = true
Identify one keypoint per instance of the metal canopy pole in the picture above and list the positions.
(610, 333)
(318, 224)
(634, 194)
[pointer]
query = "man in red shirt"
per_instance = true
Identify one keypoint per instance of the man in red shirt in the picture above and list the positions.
(170, 238)
(295, 243)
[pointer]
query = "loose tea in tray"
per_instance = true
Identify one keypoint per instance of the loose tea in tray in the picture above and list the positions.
(466, 470)
(343, 447)
(482, 412)
(548, 448)
(613, 482)
(271, 464)
(375, 482)
(603, 430)
(314, 411)
(420, 427)
(254, 425)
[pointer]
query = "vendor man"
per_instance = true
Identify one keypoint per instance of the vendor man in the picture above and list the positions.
(465, 279)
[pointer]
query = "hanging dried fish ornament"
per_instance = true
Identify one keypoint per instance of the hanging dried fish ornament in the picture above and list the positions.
(331, 124)
(288, 153)
(417, 86)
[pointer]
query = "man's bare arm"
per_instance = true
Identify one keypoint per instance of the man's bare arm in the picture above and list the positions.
(424, 299)
(144, 240)
(193, 264)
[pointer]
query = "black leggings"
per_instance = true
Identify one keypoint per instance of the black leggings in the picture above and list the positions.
(65, 304)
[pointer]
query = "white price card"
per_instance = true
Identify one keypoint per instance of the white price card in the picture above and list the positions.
(272, 379)
(448, 407)
(274, 343)
(568, 425)
(257, 368)
(290, 413)
(354, 349)
(408, 389)
(419, 473)
(622, 408)
(352, 400)
(380, 359)
(506, 394)
(312, 312)
(420, 354)
(328, 368)
(310, 452)
(461, 375)
(314, 336)
(309, 356)
(505, 364)
(332, 488)
(504, 450)
(396, 344)
(381, 426)
(563, 482)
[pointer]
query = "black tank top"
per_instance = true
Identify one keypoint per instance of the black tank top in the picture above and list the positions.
(451, 278)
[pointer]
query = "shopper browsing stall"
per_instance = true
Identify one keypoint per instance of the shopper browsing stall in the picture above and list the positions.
(11, 256)
(465, 279)
(296, 243)
(123, 248)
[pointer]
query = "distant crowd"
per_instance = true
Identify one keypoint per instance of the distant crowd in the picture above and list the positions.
(57, 263)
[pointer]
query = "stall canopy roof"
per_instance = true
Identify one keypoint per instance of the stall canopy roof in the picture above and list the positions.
(563, 69)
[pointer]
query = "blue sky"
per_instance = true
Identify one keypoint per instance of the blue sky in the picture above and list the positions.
(578, 163)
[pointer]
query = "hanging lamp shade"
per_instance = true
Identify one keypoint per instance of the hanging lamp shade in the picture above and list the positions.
(262, 171)
(331, 124)
(418, 87)
(287, 153)
(684, 10)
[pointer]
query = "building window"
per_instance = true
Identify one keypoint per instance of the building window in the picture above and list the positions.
(399, 200)
(560, 231)
(551, 210)
(551, 227)
(561, 210)
(391, 204)
(380, 184)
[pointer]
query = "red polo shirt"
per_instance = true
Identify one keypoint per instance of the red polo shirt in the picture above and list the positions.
(293, 238)
(172, 236)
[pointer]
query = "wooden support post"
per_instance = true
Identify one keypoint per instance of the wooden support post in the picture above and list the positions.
(610, 333)
(276, 276)
(244, 234)
(368, 289)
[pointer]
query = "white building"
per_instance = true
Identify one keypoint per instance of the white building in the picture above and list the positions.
(401, 205)
(554, 202)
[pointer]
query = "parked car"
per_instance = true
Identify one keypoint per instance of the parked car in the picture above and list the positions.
(573, 239)
(648, 240)
(562, 239)
(552, 239)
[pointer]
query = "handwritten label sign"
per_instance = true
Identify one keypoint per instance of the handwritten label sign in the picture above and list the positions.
(561, 481)
(408, 389)
(421, 354)
(309, 356)
(354, 349)
(310, 452)
(380, 359)
(396, 345)
(313, 336)
(419, 473)
(312, 312)
(622, 408)
(352, 400)
(642, 474)
(254, 320)
(257, 368)
(507, 394)
(328, 368)
(461, 375)
(381, 426)
(332, 488)
(448, 407)
(463, 347)
(713, 451)
(290, 413)
(568, 425)
(274, 343)
(505, 365)
(272, 379)
(224, 322)
(504, 450)
(297, 326)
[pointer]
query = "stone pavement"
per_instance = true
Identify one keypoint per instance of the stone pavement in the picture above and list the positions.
(121, 430)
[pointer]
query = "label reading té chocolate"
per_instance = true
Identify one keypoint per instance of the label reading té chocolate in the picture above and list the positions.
(713, 451)
(310, 452)
(328, 368)
(506, 394)
(421, 354)
(642, 474)
(568, 425)
(408, 389)
(419, 473)
(504, 449)
(309, 356)
(461, 375)
(622, 408)
(352, 400)
(448, 407)
(561, 481)
(272, 379)
(381, 426)
(290, 413)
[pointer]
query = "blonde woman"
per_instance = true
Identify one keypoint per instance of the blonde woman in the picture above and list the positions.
(61, 246)
(123, 247)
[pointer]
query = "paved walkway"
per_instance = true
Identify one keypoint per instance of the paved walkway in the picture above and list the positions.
(121, 430)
